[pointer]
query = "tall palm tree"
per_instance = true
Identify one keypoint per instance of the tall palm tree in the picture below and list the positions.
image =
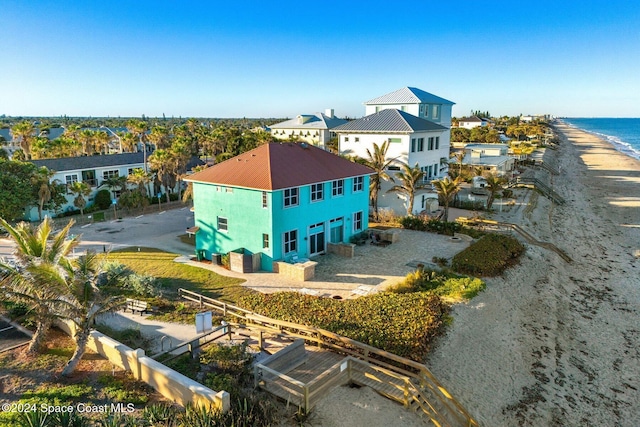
(102, 140)
(81, 190)
(494, 185)
(139, 129)
(83, 302)
(377, 160)
(410, 182)
(24, 132)
(42, 180)
(87, 139)
(163, 163)
(39, 256)
(140, 179)
(128, 141)
(447, 189)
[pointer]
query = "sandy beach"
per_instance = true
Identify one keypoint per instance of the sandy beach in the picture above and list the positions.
(554, 343)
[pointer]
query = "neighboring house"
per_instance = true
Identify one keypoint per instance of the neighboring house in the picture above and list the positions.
(412, 140)
(472, 122)
(280, 201)
(417, 126)
(93, 170)
(312, 128)
(416, 102)
(493, 158)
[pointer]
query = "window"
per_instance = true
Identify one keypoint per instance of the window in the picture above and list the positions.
(346, 139)
(420, 144)
(337, 187)
(357, 221)
(437, 142)
(436, 112)
(317, 192)
(70, 179)
(435, 170)
(431, 140)
(358, 183)
(357, 139)
(290, 241)
(265, 240)
(403, 108)
(290, 197)
(229, 189)
(222, 224)
(413, 145)
(264, 199)
(110, 174)
(422, 109)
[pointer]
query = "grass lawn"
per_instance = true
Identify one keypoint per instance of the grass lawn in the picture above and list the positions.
(172, 275)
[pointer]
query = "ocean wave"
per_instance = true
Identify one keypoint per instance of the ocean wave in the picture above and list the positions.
(620, 145)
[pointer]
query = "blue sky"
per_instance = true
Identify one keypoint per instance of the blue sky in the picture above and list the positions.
(277, 59)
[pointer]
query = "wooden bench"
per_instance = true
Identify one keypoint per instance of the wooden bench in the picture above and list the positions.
(136, 305)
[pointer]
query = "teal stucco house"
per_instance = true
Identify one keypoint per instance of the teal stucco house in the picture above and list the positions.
(281, 201)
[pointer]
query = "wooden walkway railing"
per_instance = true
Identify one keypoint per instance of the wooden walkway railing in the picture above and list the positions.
(538, 185)
(430, 396)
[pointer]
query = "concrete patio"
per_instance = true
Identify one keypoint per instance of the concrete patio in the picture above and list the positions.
(372, 269)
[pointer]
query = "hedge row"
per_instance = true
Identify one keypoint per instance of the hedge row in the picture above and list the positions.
(403, 324)
(489, 256)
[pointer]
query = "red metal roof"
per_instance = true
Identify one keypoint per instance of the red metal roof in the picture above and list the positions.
(276, 166)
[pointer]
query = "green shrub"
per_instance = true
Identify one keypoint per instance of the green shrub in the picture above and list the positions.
(489, 256)
(403, 324)
(445, 284)
(103, 199)
(432, 225)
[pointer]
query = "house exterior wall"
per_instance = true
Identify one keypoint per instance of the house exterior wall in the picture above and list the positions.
(317, 137)
(441, 116)
(248, 221)
(400, 149)
(69, 176)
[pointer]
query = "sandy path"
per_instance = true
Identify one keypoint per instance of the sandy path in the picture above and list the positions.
(551, 343)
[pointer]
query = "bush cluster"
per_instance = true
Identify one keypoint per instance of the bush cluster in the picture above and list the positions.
(432, 225)
(118, 275)
(403, 324)
(445, 284)
(489, 256)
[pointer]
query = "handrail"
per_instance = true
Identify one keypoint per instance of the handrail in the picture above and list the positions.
(539, 185)
(323, 337)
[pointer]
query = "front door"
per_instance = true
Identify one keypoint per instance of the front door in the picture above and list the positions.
(336, 230)
(316, 239)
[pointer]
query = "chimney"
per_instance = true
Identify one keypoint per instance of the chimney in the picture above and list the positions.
(329, 113)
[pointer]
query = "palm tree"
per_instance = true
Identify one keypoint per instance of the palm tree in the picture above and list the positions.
(39, 255)
(24, 132)
(102, 140)
(141, 179)
(83, 302)
(42, 179)
(81, 189)
(377, 160)
(447, 189)
(494, 185)
(162, 162)
(160, 137)
(87, 139)
(410, 178)
(188, 193)
(128, 141)
(139, 129)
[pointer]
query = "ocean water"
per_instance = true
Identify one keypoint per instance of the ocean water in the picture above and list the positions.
(623, 134)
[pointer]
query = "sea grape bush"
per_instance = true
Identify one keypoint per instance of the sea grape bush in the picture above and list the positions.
(403, 324)
(489, 256)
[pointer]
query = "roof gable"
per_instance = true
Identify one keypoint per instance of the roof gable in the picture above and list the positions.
(276, 166)
(408, 95)
(389, 120)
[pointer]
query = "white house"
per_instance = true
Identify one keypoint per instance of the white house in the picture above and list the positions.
(92, 170)
(472, 122)
(493, 158)
(412, 140)
(416, 102)
(315, 128)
